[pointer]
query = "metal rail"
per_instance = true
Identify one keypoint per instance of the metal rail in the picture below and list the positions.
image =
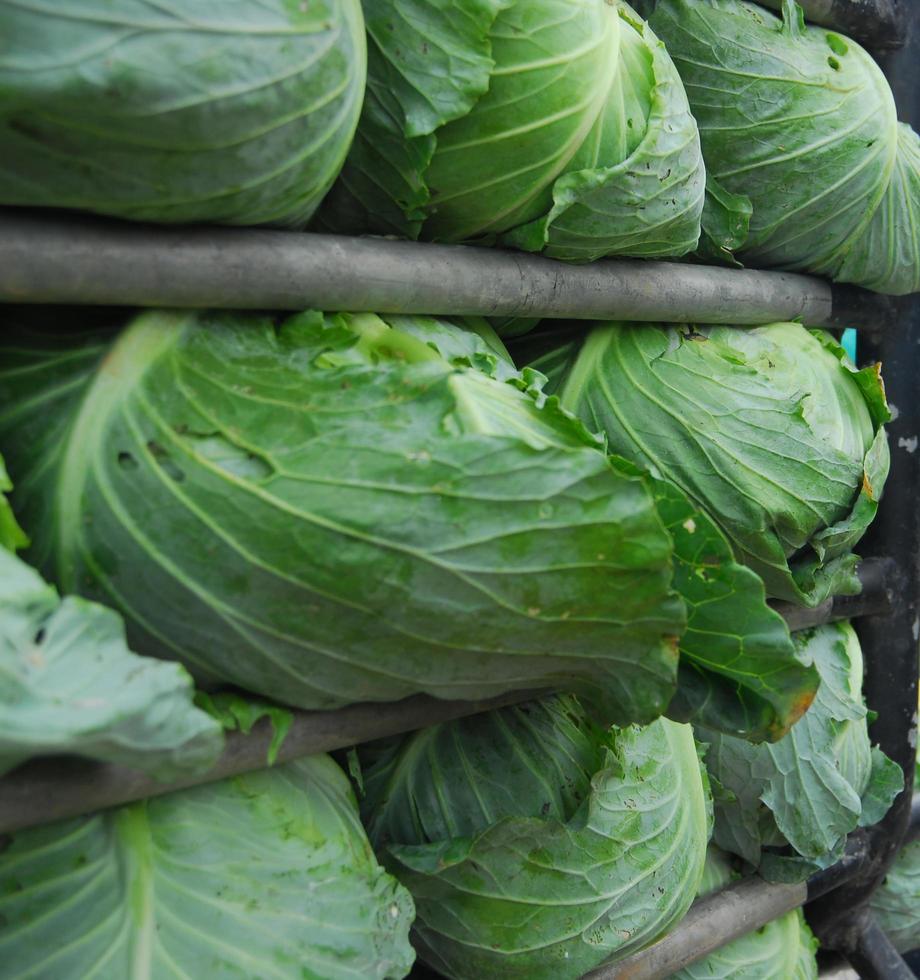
(55, 788)
(875, 23)
(88, 260)
(841, 920)
(875, 956)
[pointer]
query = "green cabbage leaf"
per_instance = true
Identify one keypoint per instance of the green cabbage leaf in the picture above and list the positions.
(12, 536)
(814, 786)
(896, 901)
(534, 844)
(268, 874)
(69, 684)
(233, 112)
(800, 132)
(327, 510)
(770, 430)
(558, 126)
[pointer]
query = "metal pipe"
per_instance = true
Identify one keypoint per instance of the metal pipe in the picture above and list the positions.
(46, 790)
(875, 23)
(49, 258)
(890, 643)
(875, 958)
(713, 921)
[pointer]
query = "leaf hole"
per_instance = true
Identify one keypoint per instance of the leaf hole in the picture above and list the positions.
(127, 462)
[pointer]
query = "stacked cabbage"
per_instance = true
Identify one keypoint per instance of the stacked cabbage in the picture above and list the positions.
(268, 873)
(233, 112)
(808, 167)
(336, 508)
(534, 844)
(556, 125)
(815, 785)
(771, 430)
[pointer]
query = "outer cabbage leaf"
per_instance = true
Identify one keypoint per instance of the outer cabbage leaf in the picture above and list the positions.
(896, 902)
(327, 510)
(69, 684)
(769, 429)
(807, 790)
(236, 112)
(535, 846)
(631, 198)
(12, 535)
(802, 122)
(265, 875)
(560, 124)
(235, 713)
(429, 61)
(739, 671)
(781, 950)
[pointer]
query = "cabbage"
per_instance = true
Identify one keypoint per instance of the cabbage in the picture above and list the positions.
(234, 112)
(896, 902)
(770, 429)
(818, 783)
(268, 874)
(327, 510)
(561, 125)
(447, 527)
(534, 844)
(68, 683)
(808, 165)
(781, 950)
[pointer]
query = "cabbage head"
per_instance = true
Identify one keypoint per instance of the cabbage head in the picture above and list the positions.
(771, 430)
(815, 785)
(268, 874)
(534, 844)
(896, 902)
(234, 112)
(327, 509)
(781, 950)
(807, 163)
(561, 125)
